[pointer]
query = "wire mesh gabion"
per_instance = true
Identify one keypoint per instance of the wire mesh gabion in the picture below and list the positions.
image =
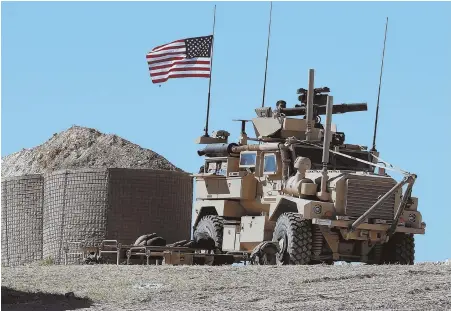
(22, 219)
(146, 201)
(88, 206)
(75, 210)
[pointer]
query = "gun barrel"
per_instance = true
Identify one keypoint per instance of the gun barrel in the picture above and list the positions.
(217, 150)
(321, 110)
(344, 108)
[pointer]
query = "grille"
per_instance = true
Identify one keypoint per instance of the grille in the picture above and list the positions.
(363, 193)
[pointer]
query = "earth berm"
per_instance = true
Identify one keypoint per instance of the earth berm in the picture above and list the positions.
(80, 148)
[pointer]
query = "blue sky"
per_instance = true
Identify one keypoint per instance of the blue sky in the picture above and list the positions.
(84, 63)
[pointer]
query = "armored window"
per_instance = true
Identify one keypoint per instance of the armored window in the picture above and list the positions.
(270, 164)
(248, 159)
(336, 162)
(216, 167)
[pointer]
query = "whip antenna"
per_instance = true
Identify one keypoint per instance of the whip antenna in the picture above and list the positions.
(267, 52)
(379, 91)
(211, 71)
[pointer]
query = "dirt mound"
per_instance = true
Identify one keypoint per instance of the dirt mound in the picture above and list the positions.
(81, 148)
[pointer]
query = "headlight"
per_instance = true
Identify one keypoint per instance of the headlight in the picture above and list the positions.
(317, 209)
(412, 217)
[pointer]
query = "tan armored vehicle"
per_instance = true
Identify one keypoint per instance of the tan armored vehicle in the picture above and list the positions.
(297, 194)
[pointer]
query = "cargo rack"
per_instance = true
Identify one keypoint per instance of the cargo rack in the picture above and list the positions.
(158, 255)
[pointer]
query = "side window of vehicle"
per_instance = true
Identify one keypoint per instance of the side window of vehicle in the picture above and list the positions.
(270, 164)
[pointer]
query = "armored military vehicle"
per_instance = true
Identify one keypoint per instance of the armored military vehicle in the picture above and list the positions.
(296, 193)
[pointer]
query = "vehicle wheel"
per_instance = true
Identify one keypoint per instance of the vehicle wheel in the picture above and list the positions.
(294, 235)
(400, 249)
(374, 256)
(264, 254)
(211, 226)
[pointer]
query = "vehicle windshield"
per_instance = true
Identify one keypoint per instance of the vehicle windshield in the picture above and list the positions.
(248, 159)
(270, 165)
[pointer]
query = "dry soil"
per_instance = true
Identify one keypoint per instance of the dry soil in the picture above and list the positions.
(81, 147)
(339, 287)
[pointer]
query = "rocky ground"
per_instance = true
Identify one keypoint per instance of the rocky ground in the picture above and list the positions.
(81, 147)
(340, 287)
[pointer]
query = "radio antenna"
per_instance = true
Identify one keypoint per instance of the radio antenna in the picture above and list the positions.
(379, 91)
(267, 52)
(211, 71)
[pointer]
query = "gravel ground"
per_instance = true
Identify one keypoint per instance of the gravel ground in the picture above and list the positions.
(341, 287)
(81, 147)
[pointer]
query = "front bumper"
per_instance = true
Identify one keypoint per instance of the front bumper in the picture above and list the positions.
(344, 224)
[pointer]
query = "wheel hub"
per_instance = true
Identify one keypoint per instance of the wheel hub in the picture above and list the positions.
(282, 248)
(281, 243)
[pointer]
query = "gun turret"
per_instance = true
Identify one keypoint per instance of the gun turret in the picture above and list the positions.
(321, 110)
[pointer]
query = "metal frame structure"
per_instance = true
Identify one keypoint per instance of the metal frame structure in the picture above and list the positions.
(161, 254)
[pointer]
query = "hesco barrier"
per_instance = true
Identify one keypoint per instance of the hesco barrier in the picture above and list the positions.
(75, 209)
(91, 205)
(22, 202)
(146, 201)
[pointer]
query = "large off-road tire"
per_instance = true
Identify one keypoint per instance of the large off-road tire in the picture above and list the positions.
(400, 249)
(264, 254)
(211, 226)
(294, 235)
(375, 255)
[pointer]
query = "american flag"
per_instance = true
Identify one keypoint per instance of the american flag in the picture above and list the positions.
(183, 58)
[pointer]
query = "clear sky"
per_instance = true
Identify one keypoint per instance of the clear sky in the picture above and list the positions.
(84, 63)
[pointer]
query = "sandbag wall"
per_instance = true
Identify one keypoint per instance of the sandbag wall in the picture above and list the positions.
(91, 205)
(22, 209)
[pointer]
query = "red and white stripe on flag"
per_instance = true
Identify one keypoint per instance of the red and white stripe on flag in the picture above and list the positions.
(170, 61)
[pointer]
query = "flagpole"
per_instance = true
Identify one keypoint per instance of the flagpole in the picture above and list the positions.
(267, 52)
(211, 71)
(379, 91)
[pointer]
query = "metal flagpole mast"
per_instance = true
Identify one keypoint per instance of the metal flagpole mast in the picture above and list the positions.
(267, 52)
(211, 71)
(379, 91)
